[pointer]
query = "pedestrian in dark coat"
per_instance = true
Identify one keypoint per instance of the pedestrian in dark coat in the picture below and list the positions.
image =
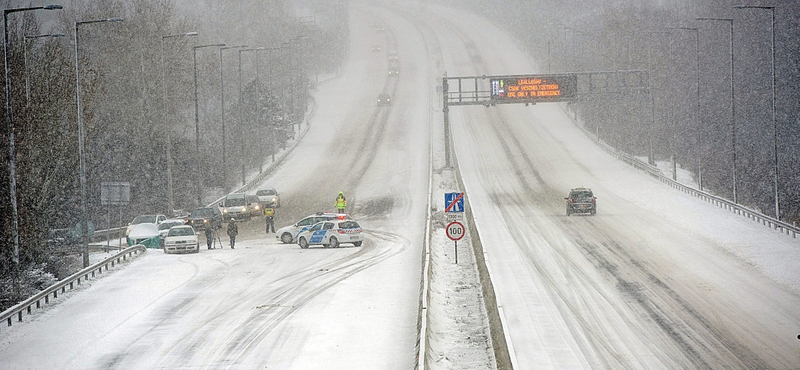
(233, 230)
(209, 236)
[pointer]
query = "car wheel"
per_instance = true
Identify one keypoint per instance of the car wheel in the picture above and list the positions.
(333, 243)
(286, 238)
(303, 243)
(357, 244)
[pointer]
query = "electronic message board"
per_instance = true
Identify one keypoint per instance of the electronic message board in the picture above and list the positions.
(536, 88)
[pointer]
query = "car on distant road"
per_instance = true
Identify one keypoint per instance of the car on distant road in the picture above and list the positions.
(581, 200)
(204, 217)
(384, 100)
(376, 48)
(331, 234)
(238, 206)
(181, 239)
(392, 56)
(145, 219)
(269, 198)
(254, 205)
(394, 71)
(287, 234)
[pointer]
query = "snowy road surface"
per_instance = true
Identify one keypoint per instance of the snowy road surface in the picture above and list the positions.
(657, 279)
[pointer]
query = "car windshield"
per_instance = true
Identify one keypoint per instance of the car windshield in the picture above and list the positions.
(266, 192)
(581, 195)
(349, 225)
(201, 212)
(234, 202)
(181, 231)
(150, 219)
(167, 225)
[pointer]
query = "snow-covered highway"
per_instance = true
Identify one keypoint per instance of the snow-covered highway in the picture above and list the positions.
(656, 280)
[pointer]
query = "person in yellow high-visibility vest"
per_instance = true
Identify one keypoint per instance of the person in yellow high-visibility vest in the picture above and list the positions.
(341, 202)
(269, 212)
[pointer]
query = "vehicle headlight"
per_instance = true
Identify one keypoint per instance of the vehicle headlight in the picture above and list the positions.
(224, 211)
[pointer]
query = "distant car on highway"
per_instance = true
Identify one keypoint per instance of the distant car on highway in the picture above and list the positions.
(238, 206)
(394, 71)
(392, 56)
(269, 198)
(581, 200)
(204, 217)
(181, 239)
(145, 219)
(287, 234)
(376, 48)
(384, 99)
(331, 234)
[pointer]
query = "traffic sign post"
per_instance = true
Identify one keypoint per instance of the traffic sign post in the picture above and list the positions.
(455, 231)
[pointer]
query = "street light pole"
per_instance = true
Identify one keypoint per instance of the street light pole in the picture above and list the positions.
(241, 114)
(222, 102)
(12, 172)
(733, 102)
(697, 102)
(167, 130)
(198, 178)
(774, 121)
(81, 146)
(25, 58)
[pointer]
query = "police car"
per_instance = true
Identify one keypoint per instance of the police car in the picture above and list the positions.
(331, 234)
(287, 234)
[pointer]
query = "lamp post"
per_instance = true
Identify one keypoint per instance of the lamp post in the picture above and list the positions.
(269, 85)
(222, 102)
(697, 101)
(12, 183)
(733, 102)
(25, 58)
(197, 120)
(241, 114)
(170, 201)
(84, 213)
(774, 121)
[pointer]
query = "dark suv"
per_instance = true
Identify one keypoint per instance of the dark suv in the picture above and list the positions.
(581, 200)
(204, 217)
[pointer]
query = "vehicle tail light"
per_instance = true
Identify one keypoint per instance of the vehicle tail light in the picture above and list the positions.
(341, 231)
(594, 199)
(570, 200)
(341, 216)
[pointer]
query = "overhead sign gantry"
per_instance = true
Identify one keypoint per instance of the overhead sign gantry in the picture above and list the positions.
(536, 88)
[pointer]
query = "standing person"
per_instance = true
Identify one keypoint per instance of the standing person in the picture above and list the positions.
(233, 230)
(341, 202)
(269, 212)
(209, 236)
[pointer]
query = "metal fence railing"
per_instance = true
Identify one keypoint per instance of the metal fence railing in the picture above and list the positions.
(71, 282)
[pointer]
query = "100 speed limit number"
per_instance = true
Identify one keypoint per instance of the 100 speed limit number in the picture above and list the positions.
(455, 230)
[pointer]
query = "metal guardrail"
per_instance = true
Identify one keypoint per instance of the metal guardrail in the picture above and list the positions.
(738, 209)
(61, 286)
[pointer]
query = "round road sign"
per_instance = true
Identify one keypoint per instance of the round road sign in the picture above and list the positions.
(455, 230)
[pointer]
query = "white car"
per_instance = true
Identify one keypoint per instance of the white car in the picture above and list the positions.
(287, 234)
(164, 226)
(269, 198)
(145, 219)
(331, 234)
(181, 239)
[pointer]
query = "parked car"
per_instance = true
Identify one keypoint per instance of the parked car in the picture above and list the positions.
(269, 198)
(145, 234)
(331, 234)
(145, 219)
(204, 217)
(235, 206)
(287, 234)
(581, 200)
(254, 205)
(181, 239)
(163, 227)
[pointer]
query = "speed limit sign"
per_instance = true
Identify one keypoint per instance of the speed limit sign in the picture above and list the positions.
(455, 230)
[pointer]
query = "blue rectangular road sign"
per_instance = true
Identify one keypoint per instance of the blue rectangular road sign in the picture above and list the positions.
(453, 202)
